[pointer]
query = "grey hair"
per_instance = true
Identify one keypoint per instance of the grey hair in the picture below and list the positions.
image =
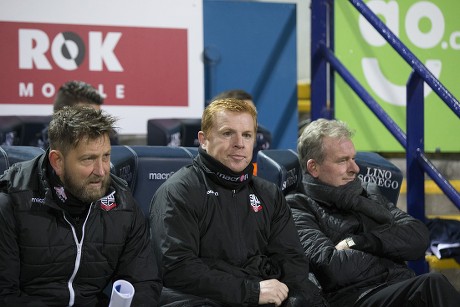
(310, 142)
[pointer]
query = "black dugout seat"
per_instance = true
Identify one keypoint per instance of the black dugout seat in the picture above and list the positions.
(145, 168)
(164, 132)
(12, 154)
(173, 132)
(23, 130)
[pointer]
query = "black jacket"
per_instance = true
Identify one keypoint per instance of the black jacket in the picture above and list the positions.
(219, 243)
(41, 262)
(377, 259)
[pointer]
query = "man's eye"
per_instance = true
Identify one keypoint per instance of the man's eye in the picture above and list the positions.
(87, 160)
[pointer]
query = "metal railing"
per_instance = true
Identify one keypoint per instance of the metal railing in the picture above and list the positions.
(324, 66)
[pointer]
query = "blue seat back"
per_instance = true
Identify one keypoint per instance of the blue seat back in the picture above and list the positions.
(145, 168)
(123, 163)
(377, 169)
(12, 154)
(280, 166)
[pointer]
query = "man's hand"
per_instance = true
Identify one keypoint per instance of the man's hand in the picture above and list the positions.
(272, 291)
(342, 245)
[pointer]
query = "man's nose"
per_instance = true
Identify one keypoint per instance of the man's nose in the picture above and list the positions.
(239, 141)
(353, 166)
(99, 168)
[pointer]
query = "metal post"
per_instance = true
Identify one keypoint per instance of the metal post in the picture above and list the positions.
(415, 144)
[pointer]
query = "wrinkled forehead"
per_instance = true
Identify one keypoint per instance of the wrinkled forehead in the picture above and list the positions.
(335, 147)
(234, 119)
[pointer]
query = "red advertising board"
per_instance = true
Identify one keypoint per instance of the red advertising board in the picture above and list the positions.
(131, 66)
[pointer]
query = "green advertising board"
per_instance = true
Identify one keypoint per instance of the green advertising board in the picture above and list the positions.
(431, 30)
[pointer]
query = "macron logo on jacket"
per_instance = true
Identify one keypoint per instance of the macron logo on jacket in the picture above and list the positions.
(212, 192)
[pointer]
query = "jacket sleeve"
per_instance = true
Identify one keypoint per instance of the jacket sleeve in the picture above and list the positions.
(407, 238)
(285, 248)
(326, 261)
(138, 264)
(176, 237)
(10, 293)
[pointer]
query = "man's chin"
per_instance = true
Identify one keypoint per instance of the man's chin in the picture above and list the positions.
(238, 167)
(93, 195)
(90, 198)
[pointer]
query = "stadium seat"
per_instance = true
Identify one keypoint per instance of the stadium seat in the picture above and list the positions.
(123, 163)
(12, 154)
(145, 168)
(377, 169)
(280, 166)
(173, 132)
(22, 130)
(189, 132)
(10, 127)
(164, 132)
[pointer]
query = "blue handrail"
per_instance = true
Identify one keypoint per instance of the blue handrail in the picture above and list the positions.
(322, 97)
(365, 96)
(408, 56)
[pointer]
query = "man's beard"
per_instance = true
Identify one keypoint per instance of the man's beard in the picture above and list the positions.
(81, 191)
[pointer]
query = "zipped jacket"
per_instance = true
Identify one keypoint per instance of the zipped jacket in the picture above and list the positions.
(45, 260)
(219, 243)
(378, 257)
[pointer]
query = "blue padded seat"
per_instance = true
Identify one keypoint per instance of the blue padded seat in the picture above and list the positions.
(280, 166)
(123, 163)
(12, 154)
(377, 169)
(145, 168)
(192, 150)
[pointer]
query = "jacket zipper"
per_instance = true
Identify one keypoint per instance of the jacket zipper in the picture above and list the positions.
(235, 207)
(78, 256)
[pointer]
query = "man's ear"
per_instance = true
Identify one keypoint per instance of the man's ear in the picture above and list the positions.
(313, 168)
(202, 139)
(57, 161)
